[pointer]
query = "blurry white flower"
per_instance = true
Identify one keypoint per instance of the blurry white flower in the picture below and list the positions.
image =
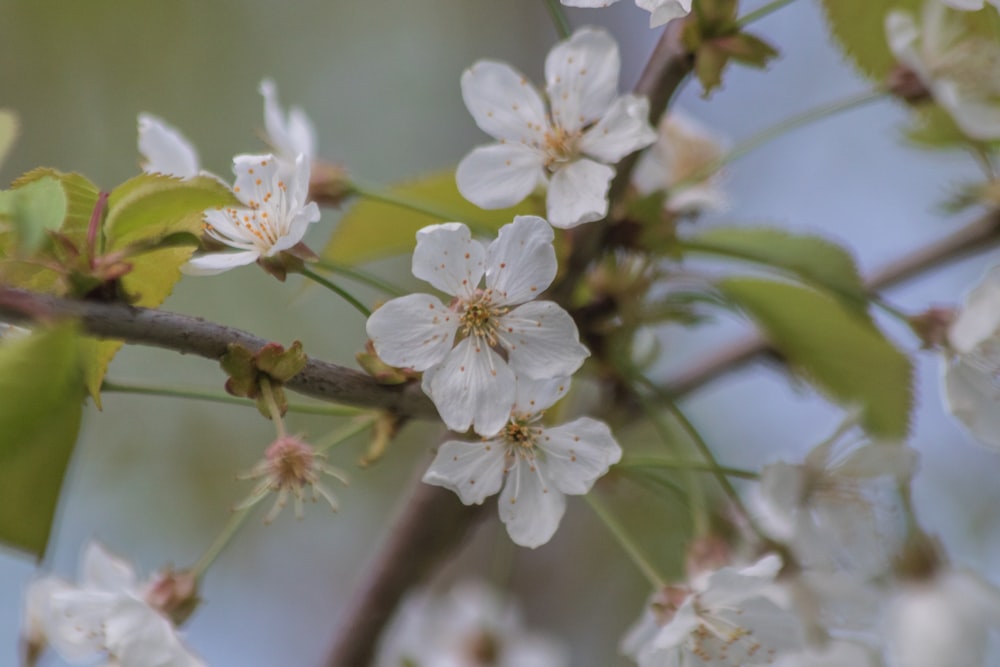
(37, 612)
(470, 382)
(970, 5)
(960, 70)
(274, 216)
(943, 620)
(105, 613)
(165, 150)
(569, 146)
(971, 367)
(660, 11)
(470, 626)
(11, 331)
(540, 464)
(721, 620)
(289, 135)
(835, 654)
(839, 509)
(681, 162)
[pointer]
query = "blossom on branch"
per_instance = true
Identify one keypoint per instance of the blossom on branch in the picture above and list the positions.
(274, 216)
(567, 146)
(500, 330)
(660, 11)
(165, 150)
(289, 135)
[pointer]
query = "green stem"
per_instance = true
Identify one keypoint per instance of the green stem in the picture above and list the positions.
(654, 578)
(272, 405)
(358, 425)
(559, 18)
(360, 276)
(176, 392)
(341, 292)
(222, 539)
(679, 464)
(761, 12)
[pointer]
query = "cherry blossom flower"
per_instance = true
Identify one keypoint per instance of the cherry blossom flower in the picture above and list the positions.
(660, 11)
(274, 216)
(722, 620)
(682, 162)
(289, 135)
(568, 147)
(500, 330)
(165, 149)
(971, 365)
(961, 71)
(839, 509)
(469, 626)
(106, 612)
(535, 464)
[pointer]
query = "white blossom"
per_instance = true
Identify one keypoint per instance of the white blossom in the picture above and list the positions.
(835, 654)
(660, 11)
(567, 146)
(274, 216)
(722, 620)
(536, 465)
(683, 162)
(971, 366)
(459, 346)
(289, 135)
(943, 620)
(960, 70)
(970, 5)
(165, 150)
(105, 613)
(469, 626)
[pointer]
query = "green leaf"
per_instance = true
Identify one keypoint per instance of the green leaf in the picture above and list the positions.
(372, 230)
(9, 129)
(839, 351)
(812, 259)
(33, 209)
(40, 406)
(859, 29)
(150, 207)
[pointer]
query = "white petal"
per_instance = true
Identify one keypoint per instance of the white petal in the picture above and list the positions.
(530, 506)
(879, 460)
(622, 130)
(521, 262)
(38, 617)
(102, 570)
(217, 262)
(975, 111)
(77, 620)
(298, 225)
(662, 11)
(542, 340)
(902, 34)
(589, 3)
(137, 636)
(965, 5)
(165, 149)
(414, 331)
(972, 394)
(473, 387)
(581, 76)
(578, 193)
(499, 175)
(534, 396)
(503, 103)
(448, 258)
(257, 175)
(473, 470)
(577, 453)
(291, 136)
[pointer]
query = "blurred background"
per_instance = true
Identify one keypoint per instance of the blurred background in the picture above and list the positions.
(154, 478)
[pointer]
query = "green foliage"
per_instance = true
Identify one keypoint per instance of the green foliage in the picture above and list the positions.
(839, 351)
(858, 27)
(31, 210)
(812, 259)
(9, 129)
(372, 230)
(715, 38)
(40, 404)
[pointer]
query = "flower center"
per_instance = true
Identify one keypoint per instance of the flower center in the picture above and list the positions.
(479, 317)
(292, 463)
(974, 65)
(560, 147)
(520, 436)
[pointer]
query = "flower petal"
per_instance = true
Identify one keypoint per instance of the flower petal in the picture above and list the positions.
(530, 506)
(503, 103)
(972, 395)
(542, 340)
(76, 622)
(102, 570)
(534, 396)
(521, 262)
(138, 636)
(165, 149)
(473, 387)
(581, 76)
(448, 258)
(256, 175)
(473, 470)
(499, 175)
(414, 331)
(297, 227)
(578, 193)
(217, 262)
(290, 136)
(577, 453)
(662, 11)
(622, 130)
(593, 4)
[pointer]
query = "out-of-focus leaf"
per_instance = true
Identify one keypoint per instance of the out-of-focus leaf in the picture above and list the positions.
(31, 210)
(40, 405)
(9, 129)
(838, 350)
(372, 230)
(859, 29)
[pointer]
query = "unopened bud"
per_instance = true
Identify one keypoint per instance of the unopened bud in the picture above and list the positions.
(932, 327)
(329, 184)
(907, 85)
(173, 594)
